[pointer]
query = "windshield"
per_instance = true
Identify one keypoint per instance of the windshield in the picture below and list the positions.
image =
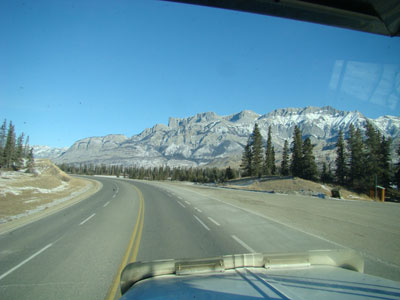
(146, 130)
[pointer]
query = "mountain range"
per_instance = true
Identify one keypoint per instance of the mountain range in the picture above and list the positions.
(207, 139)
(41, 151)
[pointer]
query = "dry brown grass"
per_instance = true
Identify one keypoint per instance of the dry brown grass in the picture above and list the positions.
(22, 192)
(298, 186)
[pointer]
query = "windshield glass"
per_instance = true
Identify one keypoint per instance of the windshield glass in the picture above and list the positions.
(146, 130)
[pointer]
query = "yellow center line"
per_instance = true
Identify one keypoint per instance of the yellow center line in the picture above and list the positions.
(136, 237)
(139, 236)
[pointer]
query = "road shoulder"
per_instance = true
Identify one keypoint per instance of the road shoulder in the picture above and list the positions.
(91, 187)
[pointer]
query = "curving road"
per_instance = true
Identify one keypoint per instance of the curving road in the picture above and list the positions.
(79, 252)
(74, 253)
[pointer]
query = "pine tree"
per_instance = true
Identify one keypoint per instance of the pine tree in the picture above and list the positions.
(31, 161)
(296, 165)
(9, 148)
(26, 147)
(397, 175)
(229, 173)
(269, 159)
(357, 158)
(341, 160)
(285, 159)
(371, 165)
(246, 164)
(3, 137)
(308, 161)
(385, 162)
(273, 170)
(256, 152)
(326, 175)
(19, 152)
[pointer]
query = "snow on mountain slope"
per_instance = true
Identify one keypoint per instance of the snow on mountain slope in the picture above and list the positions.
(47, 152)
(207, 138)
(390, 125)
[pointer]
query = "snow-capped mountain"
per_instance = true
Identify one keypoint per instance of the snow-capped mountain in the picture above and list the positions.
(210, 139)
(47, 152)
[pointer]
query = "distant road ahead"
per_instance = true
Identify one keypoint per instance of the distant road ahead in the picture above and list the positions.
(76, 253)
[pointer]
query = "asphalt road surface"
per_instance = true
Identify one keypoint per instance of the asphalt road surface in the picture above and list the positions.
(78, 252)
(72, 254)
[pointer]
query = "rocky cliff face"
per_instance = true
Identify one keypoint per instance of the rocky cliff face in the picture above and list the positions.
(210, 139)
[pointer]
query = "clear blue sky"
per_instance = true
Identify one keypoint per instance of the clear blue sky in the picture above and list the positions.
(74, 69)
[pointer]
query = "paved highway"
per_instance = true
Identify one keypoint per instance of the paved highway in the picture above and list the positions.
(371, 228)
(72, 254)
(183, 225)
(78, 252)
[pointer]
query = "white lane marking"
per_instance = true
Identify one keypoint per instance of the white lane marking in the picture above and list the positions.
(212, 220)
(179, 197)
(25, 261)
(273, 220)
(201, 222)
(297, 229)
(187, 202)
(242, 243)
(114, 196)
(87, 219)
(108, 202)
(181, 204)
(199, 210)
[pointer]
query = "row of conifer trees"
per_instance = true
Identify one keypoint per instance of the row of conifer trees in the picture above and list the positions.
(363, 159)
(15, 152)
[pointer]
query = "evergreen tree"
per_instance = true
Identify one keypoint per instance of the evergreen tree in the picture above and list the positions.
(3, 138)
(357, 158)
(397, 175)
(341, 160)
(246, 164)
(385, 163)
(26, 148)
(3, 133)
(229, 174)
(371, 164)
(273, 170)
(256, 152)
(308, 161)
(326, 175)
(9, 148)
(285, 159)
(296, 166)
(31, 161)
(269, 159)
(19, 152)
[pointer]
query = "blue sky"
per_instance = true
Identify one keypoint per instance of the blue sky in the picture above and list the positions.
(74, 69)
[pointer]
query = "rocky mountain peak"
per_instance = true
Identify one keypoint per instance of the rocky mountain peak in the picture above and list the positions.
(291, 111)
(244, 116)
(210, 139)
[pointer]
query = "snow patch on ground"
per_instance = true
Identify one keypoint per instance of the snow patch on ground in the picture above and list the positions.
(19, 190)
(32, 200)
(45, 206)
(325, 188)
